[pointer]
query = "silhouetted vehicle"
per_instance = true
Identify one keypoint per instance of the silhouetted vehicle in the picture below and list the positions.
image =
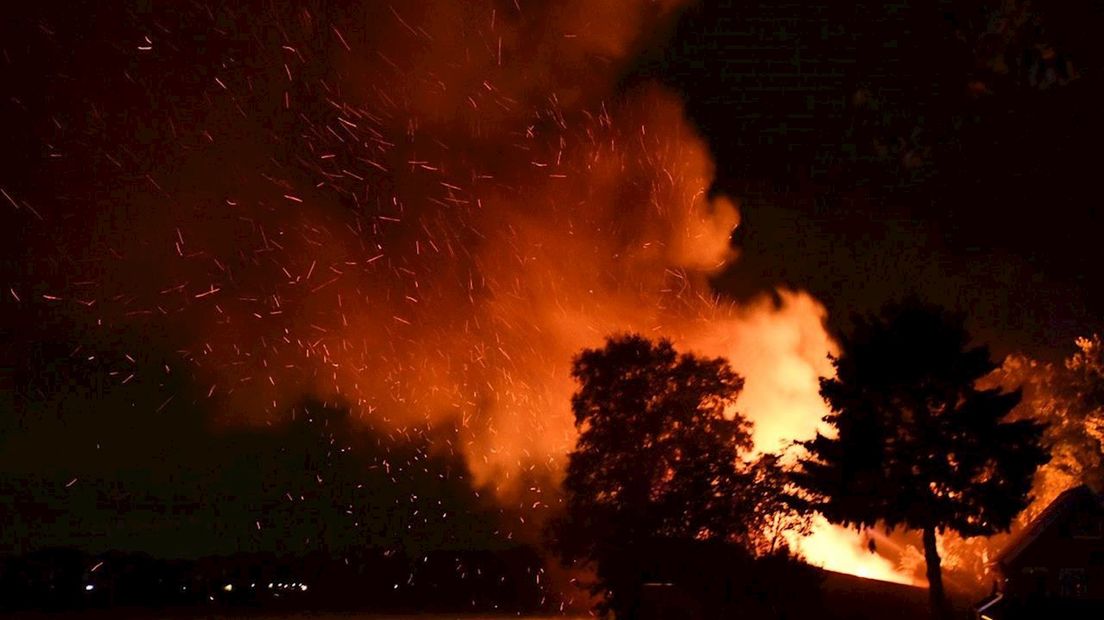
(1055, 566)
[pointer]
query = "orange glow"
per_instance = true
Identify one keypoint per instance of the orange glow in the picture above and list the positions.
(482, 202)
(844, 551)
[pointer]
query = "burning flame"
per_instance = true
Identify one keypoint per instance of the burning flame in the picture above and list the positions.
(841, 550)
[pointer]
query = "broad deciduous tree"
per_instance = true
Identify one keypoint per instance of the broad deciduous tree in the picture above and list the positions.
(659, 464)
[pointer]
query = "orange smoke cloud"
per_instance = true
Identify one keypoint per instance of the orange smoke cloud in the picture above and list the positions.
(448, 201)
(510, 208)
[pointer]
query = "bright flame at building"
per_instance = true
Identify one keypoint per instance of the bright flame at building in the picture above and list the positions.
(841, 550)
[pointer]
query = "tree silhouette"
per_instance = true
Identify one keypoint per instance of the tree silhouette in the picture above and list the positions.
(658, 461)
(1079, 396)
(1069, 397)
(768, 509)
(916, 444)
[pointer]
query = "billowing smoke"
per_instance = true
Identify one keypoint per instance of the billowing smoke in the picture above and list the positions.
(425, 209)
(475, 201)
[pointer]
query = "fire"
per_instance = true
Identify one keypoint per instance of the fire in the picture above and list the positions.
(460, 198)
(843, 551)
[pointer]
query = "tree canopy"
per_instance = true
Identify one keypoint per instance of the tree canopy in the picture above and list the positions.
(656, 455)
(659, 464)
(915, 443)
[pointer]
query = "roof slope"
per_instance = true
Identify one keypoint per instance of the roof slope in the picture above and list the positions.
(1068, 500)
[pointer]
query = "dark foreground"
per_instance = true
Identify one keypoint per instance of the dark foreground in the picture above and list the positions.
(845, 597)
(228, 615)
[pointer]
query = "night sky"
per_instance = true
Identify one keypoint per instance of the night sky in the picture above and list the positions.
(170, 170)
(883, 149)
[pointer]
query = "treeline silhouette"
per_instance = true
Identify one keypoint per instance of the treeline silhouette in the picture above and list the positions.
(365, 520)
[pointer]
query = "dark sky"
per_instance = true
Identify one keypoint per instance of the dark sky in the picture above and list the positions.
(877, 149)
(880, 149)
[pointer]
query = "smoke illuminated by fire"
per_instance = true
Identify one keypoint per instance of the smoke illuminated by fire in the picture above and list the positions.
(425, 210)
